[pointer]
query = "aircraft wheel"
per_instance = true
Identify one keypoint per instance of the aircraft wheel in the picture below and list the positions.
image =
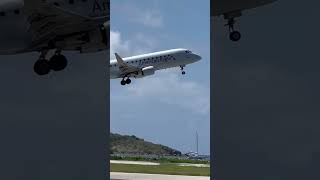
(41, 67)
(58, 62)
(235, 36)
(183, 72)
(128, 81)
(123, 82)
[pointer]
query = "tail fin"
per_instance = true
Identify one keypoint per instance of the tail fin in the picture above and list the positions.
(100, 8)
(119, 59)
(89, 8)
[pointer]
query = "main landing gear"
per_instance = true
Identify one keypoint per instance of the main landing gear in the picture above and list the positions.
(234, 35)
(124, 82)
(57, 62)
(182, 71)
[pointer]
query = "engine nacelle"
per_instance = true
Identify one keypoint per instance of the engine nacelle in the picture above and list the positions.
(147, 71)
(9, 5)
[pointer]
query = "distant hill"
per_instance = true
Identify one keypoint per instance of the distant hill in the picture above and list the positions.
(133, 145)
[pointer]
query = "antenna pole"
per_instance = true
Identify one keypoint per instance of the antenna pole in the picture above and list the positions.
(197, 142)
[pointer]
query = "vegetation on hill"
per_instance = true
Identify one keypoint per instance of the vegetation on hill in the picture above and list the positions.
(124, 144)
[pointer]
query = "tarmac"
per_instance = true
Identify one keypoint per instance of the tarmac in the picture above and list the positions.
(134, 162)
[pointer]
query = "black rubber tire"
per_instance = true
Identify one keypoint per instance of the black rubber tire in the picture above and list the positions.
(128, 81)
(41, 67)
(183, 72)
(123, 82)
(58, 62)
(235, 36)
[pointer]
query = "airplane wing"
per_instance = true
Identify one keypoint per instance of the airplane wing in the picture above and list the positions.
(50, 20)
(124, 67)
(220, 7)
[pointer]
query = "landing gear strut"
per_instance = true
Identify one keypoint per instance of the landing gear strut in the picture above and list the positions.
(234, 35)
(42, 66)
(182, 71)
(57, 62)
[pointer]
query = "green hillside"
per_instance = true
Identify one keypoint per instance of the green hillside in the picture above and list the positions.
(133, 145)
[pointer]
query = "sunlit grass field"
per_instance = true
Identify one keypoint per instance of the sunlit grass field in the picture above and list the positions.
(163, 168)
(161, 160)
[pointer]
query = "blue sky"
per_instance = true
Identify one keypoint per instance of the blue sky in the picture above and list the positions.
(166, 108)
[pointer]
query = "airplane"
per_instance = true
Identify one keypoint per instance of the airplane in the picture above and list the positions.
(192, 154)
(146, 64)
(53, 25)
(231, 9)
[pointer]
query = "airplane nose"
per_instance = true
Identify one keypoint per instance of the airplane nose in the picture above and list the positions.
(197, 57)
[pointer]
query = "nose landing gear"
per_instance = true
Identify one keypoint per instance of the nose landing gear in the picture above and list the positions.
(234, 35)
(182, 71)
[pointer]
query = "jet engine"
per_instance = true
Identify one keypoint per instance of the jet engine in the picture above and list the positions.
(146, 71)
(10, 5)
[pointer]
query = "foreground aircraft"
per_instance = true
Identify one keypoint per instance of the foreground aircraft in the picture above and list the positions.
(146, 64)
(231, 9)
(58, 25)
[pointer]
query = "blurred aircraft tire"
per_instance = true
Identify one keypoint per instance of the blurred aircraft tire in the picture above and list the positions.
(41, 67)
(128, 81)
(58, 62)
(235, 36)
(123, 82)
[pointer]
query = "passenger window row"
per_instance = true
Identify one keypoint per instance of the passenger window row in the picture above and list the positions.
(147, 59)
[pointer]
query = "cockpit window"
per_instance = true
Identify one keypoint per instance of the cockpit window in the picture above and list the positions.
(187, 51)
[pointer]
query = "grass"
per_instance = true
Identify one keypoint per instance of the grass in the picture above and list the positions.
(171, 169)
(161, 160)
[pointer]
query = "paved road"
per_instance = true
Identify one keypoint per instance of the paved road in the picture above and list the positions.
(139, 176)
(134, 162)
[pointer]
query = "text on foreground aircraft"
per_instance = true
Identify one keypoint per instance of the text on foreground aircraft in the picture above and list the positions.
(231, 9)
(146, 64)
(60, 25)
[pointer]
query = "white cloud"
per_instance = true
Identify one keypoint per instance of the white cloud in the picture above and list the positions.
(147, 17)
(167, 87)
(116, 43)
(139, 44)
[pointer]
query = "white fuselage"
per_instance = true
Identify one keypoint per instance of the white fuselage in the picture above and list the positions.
(159, 60)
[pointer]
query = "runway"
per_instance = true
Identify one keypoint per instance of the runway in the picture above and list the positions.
(139, 176)
(134, 162)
